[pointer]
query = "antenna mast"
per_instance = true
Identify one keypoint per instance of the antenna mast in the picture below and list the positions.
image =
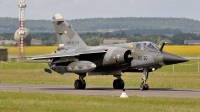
(21, 23)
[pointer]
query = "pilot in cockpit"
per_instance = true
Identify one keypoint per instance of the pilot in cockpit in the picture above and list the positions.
(141, 46)
(148, 46)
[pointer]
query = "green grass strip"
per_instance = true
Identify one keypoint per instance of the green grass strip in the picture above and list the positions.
(40, 102)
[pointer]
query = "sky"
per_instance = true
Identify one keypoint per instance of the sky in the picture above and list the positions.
(80, 9)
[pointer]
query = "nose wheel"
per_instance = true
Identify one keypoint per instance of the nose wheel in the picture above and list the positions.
(144, 87)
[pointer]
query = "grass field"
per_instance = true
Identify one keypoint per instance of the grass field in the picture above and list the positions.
(36, 50)
(32, 102)
(156, 79)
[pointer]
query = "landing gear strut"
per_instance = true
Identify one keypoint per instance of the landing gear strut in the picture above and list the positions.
(118, 83)
(80, 83)
(143, 85)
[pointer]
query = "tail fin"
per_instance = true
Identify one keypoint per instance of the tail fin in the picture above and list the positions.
(65, 33)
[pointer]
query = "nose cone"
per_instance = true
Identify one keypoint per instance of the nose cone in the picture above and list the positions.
(169, 59)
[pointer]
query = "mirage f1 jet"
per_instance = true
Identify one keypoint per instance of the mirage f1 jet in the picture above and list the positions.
(74, 56)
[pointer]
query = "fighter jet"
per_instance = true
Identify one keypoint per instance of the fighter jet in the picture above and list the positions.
(74, 56)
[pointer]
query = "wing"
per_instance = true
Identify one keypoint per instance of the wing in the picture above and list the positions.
(66, 54)
(55, 55)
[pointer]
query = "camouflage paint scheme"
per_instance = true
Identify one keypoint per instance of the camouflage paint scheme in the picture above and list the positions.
(74, 56)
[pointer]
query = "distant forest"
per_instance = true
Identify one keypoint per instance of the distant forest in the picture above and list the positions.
(130, 25)
(95, 39)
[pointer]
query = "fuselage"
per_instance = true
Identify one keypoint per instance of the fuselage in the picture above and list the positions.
(117, 58)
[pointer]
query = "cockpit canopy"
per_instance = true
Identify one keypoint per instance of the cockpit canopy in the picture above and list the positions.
(147, 46)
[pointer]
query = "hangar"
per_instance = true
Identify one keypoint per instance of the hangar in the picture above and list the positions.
(3, 54)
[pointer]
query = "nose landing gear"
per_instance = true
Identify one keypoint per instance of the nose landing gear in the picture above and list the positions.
(143, 85)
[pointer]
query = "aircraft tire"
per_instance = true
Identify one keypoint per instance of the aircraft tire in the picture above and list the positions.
(118, 84)
(144, 87)
(78, 84)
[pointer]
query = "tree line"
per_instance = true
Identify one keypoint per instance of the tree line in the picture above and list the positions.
(10, 25)
(96, 38)
(177, 39)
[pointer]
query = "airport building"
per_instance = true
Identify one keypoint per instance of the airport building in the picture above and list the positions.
(113, 41)
(192, 42)
(3, 54)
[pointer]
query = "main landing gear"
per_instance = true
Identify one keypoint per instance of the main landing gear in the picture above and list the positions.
(143, 85)
(80, 83)
(118, 83)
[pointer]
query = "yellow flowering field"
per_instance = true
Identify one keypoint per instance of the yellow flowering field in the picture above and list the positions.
(32, 50)
(183, 50)
(37, 50)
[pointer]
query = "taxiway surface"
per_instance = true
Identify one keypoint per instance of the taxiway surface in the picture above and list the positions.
(101, 90)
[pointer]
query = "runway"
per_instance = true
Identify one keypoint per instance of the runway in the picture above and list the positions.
(101, 90)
